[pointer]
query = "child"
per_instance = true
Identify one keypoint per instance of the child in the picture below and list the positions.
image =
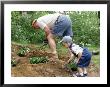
(83, 56)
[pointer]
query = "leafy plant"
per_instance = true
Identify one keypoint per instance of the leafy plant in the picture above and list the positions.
(72, 65)
(13, 62)
(36, 60)
(22, 52)
(85, 26)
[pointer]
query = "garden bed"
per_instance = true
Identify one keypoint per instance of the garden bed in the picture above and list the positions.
(24, 68)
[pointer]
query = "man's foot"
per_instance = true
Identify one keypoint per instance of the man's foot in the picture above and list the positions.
(54, 57)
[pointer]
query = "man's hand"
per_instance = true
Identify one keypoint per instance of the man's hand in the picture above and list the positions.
(45, 41)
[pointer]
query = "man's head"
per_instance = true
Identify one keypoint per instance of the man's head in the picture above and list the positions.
(35, 24)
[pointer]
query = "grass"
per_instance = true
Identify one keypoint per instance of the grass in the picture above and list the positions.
(96, 60)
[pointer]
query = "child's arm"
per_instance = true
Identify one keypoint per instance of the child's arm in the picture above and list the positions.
(79, 56)
(71, 56)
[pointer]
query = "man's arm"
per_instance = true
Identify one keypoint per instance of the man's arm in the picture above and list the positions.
(47, 31)
(51, 41)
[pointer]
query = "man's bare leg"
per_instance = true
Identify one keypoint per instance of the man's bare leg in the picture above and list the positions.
(52, 45)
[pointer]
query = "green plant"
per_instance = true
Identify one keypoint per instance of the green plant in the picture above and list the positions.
(85, 25)
(13, 62)
(36, 60)
(22, 52)
(22, 30)
(72, 66)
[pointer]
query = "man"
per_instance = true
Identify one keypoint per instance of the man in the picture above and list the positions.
(54, 25)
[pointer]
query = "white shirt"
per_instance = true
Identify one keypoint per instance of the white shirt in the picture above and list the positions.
(47, 20)
(76, 49)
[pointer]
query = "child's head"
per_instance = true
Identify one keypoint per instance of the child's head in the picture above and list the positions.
(67, 41)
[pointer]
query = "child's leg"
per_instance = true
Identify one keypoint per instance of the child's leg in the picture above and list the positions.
(85, 71)
(80, 70)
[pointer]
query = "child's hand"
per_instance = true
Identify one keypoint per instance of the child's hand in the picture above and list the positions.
(66, 63)
(76, 61)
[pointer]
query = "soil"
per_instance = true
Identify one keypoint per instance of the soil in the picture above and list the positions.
(48, 69)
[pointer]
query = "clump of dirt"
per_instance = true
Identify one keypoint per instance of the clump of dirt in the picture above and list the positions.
(48, 69)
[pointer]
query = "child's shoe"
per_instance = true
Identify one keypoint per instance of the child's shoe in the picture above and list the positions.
(85, 75)
(78, 75)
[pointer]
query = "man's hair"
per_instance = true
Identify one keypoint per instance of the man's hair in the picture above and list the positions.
(34, 21)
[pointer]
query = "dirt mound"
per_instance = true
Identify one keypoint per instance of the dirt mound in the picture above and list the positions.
(48, 69)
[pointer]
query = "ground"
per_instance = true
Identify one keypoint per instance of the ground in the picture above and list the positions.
(49, 69)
